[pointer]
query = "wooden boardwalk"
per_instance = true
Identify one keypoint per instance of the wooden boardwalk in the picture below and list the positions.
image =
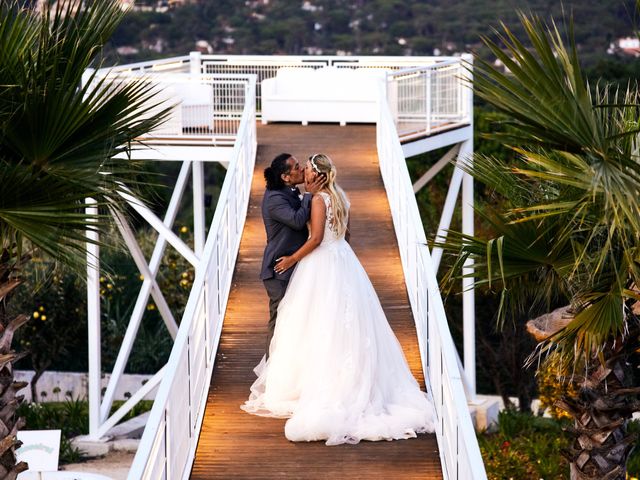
(234, 444)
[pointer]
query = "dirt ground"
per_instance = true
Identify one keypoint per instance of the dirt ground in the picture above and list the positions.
(115, 465)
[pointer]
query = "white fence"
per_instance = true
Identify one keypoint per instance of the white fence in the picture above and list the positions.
(267, 66)
(168, 445)
(426, 94)
(428, 99)
(459, 451)
(205, 109)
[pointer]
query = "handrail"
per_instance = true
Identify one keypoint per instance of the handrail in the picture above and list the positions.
(428, 99)
(425, 93)
(458, 445)
(182, 60)
(406, 71)
(418, 60)
(205, 108)
(168, 445)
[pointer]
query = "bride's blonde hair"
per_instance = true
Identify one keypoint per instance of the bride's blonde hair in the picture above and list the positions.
(321, 163)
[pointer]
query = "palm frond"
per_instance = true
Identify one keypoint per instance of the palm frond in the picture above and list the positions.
(569, 223)
(61, 141)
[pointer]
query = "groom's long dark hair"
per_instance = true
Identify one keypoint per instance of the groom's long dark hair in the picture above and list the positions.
(273, 174)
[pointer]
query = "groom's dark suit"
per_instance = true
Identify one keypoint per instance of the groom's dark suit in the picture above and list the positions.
(285, 220)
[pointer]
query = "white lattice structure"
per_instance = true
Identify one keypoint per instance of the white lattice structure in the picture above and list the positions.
(422, 101)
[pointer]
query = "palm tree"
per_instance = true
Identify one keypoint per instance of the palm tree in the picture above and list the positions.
(567, 229)
(59, 142)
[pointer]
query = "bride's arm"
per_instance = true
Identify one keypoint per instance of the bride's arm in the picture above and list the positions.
(318, 217)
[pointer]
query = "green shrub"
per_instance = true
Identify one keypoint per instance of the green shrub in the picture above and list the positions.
(525, 447)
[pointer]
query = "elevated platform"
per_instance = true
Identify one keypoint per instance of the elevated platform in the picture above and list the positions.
(234, 444)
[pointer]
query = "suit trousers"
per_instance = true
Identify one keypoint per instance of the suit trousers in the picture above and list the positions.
(276, 289)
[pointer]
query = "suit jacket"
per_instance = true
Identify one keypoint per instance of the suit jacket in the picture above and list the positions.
(285, 219)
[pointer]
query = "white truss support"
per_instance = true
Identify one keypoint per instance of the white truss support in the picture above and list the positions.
(444, 139)
(435, 169)
(467, 388)
(447, 214)
(141, 263)
(143, 296)
(198, 208)
(468, 291)
(175, 241)
(93, 321)
(126, 407)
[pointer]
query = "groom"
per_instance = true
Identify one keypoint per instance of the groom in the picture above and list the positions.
(285, 215)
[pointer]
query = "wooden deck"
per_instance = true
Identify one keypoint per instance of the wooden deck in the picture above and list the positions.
(234, 444)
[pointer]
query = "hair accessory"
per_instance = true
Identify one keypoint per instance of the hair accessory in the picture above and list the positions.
(313, 163)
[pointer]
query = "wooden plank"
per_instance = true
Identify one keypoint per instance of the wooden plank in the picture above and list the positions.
(234, 444)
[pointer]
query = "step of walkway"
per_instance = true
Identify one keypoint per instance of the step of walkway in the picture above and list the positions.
(234, 444)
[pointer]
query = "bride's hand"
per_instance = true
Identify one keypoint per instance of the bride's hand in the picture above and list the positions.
(284, 263)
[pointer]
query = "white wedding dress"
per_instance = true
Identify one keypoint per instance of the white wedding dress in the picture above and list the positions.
(335, 367)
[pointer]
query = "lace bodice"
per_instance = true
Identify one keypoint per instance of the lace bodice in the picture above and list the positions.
(330, 234)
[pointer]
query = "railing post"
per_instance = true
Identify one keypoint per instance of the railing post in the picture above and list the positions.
(93, 324)
(195, 63)
(467, 74)
(198, 208)
(428, 100)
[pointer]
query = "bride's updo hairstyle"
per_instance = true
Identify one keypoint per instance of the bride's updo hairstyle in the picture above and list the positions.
(321, 163)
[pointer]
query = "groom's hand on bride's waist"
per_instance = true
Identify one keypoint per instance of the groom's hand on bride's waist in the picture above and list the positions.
(284, 263)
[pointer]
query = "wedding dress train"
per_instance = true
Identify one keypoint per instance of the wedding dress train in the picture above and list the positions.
(335, 367)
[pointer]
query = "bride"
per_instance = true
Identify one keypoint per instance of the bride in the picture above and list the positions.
(335, 367)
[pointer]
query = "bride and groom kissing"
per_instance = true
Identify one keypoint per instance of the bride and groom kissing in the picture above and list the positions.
(332, 366)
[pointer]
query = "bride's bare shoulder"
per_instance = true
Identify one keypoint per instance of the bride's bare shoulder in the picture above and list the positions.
(318, 200)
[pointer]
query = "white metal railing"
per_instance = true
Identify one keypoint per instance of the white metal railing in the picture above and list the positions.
(180, 64)
(236, 90)
(459, 450)
(430, 98)
(444, 88)
(205, 109)
(169, 441)
(266, 66)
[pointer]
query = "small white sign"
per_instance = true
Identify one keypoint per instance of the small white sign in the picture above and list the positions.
(40, 449)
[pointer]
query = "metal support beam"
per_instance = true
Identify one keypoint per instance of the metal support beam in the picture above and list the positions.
(436, 141)
(147, 272)
(93, 322)
(143, 295)
(197, 178)
(447, 214)
(468, 295)
(435, 169)
(468, 292)
(164, 231)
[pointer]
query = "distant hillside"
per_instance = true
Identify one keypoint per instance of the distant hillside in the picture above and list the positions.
(393, 27)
